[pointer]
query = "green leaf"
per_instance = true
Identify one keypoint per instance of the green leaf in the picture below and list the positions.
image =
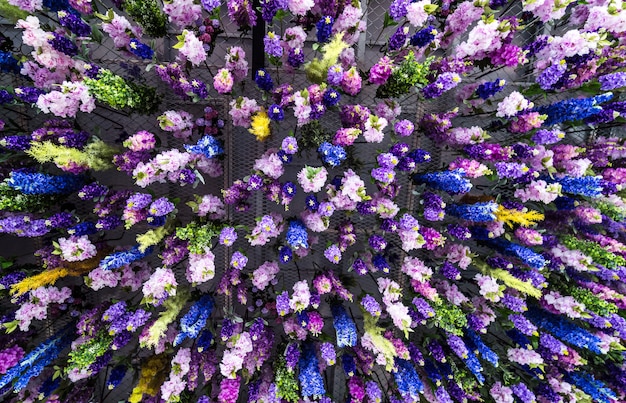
(388, 22)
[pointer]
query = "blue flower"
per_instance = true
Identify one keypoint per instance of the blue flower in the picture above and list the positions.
(474, 341)
(286, 254)
(140, 49)
(528, 256)
(311, 381)
(348, 364)
(565, 330)
(116, 377)
(8, 64)
(275, 112)
(453, 182)
(331, 97)
(477, 212)
(208, 146)
(324, 28)
(332, 155)
(119, 259)
(297, 236)
(344, 327)
(424, 36)
(311, 203)
(598, 391)
(490, 88)
(195, 319)
(263, 80)
(409, 384)
(572, 109)
(38, 183)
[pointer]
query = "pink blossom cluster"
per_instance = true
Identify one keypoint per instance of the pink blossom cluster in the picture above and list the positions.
(120, 30)
(166, 165)
(175, 385)
(566, 305)
(43, 52)
(268, 227)
(183, 13)
(180, 123)
(241, 109)
(312, 179)
(67, 101)
(201, 267)
(489, 287)
(76, 248)
(416, 269)
(270, 164)
(161, 285)
(37, 305)
(192, 48)
(236, 63)
(211, 206)
(238, 346)
(539, 190)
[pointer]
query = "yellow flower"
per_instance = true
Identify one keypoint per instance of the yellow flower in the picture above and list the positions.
(526, 218)
(260, 125)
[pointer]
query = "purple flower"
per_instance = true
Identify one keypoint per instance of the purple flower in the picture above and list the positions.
(161, 207)
(333, 254)
(228, 236)
(372, 306)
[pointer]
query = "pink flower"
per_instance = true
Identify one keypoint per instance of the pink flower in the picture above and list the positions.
(501, 394)
(264, 274)
(416, 14)
(300, 297)
(192, 48)
(241, 109)
(161, 285)
(270, 164)
(524, 356)
(27, 5)
(236, 63)
(183, 13)
(100, 278)
(140, 141)
(351, 81)
(416, 269)
(201, 267)
(223, 81)
(212, 206)
(300, 7)
(312, 179)
(75, 249)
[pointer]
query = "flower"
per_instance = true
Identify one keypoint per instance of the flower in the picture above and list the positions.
(260, 125)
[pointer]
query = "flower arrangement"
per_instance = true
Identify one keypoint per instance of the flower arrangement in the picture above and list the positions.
(474, 251)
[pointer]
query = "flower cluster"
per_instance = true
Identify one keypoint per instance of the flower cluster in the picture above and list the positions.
(338, 224)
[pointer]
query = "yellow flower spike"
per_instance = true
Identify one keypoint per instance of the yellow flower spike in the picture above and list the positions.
(260, 125)
(44, 278)
(523, 218)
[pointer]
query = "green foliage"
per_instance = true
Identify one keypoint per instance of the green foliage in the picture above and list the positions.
(85, 354)
(14, 200)
(594, 251)
(449, 318)
(199, 236)
(286, 382)
(12, 13)
(410, 73)
(97, 155)
(592, 302)
(316, 69)
(312, 135)
(116, 92)
(149, 15)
